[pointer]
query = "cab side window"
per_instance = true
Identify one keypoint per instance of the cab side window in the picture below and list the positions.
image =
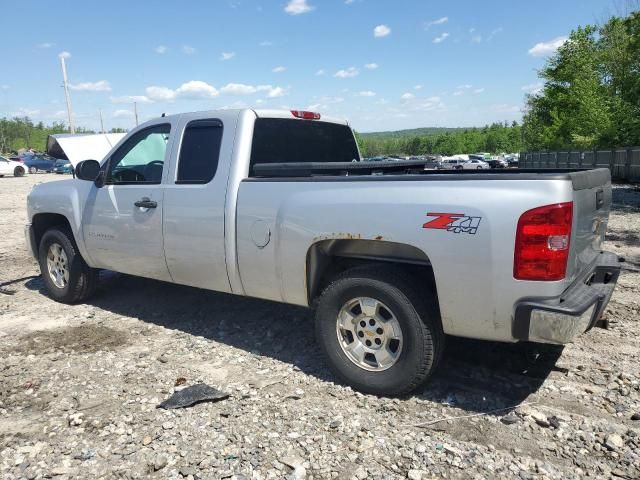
(141, 159)
(199, 152)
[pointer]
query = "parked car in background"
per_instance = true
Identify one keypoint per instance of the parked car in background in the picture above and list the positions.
(512, 160)
(11, 167)
(62, 166)
(452, 163)
(37, 163)
(475, 164)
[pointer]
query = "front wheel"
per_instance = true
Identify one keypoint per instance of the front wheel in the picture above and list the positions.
(33, 170)
(377, 333)
(66, 275)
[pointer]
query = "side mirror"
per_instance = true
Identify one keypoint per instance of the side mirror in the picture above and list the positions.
(88, 170)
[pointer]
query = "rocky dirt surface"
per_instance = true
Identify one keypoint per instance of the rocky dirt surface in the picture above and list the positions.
(79, 386)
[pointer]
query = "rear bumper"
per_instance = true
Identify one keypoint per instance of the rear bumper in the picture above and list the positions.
(560, 319)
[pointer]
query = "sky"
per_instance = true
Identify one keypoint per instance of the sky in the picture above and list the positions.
(381, 64)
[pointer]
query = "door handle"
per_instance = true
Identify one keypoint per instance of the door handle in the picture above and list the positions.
(145, 202)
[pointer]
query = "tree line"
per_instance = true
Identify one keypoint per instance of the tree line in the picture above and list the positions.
(590, 94)
(494, 138)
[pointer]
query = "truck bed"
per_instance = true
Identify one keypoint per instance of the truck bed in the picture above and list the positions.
(581, 178)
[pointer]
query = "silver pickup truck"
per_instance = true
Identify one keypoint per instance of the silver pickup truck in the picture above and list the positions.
(392, 257)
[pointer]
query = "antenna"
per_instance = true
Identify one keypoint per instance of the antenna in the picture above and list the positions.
(135, 110)
(72, 128)
(101, 122)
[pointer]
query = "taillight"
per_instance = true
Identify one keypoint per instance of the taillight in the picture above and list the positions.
(305, 115)
(542, 242)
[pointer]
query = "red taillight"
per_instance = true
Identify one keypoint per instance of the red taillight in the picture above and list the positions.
(542, 242)
(305, 115)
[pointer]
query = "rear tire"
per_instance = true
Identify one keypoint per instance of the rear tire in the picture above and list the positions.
(66, 275)
(18, 172)
(389, 298)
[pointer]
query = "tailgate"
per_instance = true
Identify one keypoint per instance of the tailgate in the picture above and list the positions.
(591, 205)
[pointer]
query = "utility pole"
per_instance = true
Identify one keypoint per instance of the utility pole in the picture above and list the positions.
(135, 110)
(101, 122)
(72, 128)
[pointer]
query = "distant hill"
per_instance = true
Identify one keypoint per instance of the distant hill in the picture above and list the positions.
(413, 132)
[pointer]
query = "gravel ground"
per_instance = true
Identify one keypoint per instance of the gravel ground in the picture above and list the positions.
(79, 386)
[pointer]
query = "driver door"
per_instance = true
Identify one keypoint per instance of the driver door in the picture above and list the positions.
(122, 220)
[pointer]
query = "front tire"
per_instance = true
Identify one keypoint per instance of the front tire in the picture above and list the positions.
(18, 172)
(378, 335)
(33, 170)
(66, 275)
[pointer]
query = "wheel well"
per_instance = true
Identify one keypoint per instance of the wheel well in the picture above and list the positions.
(44, 221)
(329, 258)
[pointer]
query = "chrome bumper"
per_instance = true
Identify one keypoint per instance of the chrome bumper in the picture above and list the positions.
(560, 319)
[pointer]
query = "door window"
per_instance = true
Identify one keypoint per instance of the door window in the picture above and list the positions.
(199, 152)
(141, 159)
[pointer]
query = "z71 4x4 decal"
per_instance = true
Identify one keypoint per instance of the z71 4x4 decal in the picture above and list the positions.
(453, 222)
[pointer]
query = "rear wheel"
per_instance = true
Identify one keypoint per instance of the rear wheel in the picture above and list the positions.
(18, 172)
(378, 334)
(33, 170)
(66, 275)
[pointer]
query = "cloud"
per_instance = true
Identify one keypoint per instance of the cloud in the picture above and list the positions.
(122, 114)
(276, 92)
(458, 93)
(493, 33)
(45, 45)
(238, 89)
(476, 39)
(381, 31)
(544, 49)
(25, 112)
(478, 90)
(298, 7)
(188, 50)
(194, 89)
(506, 108)
(371, 66)
(466, 86)
(533, 88)
(160, 93)
(417, 87)
(130, 99)
(265, 43)
(347, 73)
(320, 72)
(227, 55)
(407, 96)
(441, 38)
(4, 87)
(160, 49)
(279, 69)
(366, 93)
(64, 54)
(439, 21)
(99, 86)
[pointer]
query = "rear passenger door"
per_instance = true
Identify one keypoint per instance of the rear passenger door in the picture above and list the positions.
(193, 223)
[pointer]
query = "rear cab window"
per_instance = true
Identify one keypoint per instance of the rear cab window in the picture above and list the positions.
(282, 140)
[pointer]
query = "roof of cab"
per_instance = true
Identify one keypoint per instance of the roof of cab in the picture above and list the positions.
(260, 113)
